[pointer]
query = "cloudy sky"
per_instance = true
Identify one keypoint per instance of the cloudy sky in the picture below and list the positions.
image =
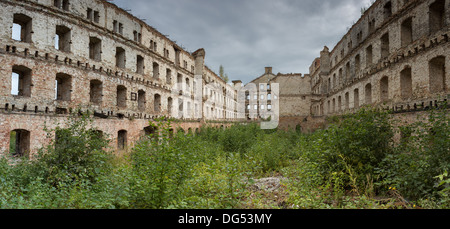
(247, 35)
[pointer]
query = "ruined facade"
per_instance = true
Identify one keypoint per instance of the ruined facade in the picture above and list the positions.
(60, 55)
(396, 57)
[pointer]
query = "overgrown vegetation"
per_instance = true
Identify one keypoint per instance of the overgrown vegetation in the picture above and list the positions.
(356, 162)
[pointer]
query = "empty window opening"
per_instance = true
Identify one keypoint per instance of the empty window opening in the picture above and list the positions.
(334, 105)
(157, 103)
(387, 10)
(347, 72)
(63, 87)
(187, 84)
(89, 14)
(151, 132)
(19, 143)
(96, 17)
(407, 32)
(347, 101)
(372, 26)
(437, 74)
(122, 139)
(406, 83)
(385, 45)
(96, 91)
(369, 55)
(121, 28)
(168, 76)
(140, 64)
(384, 89)
(177, 56)
(169, 105)
(21, 30)
(339, 103)
(62, 38)
(121, 96)
(61, 4)
(115, 26)
(357, 63)
(141, 100)
(120, 57)
(368, 93)
(436, 16)
(21, 81)
(356, 98)
(95, 48)
(155, 70)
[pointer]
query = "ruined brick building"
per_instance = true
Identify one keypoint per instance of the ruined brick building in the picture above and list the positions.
(59, 55)
(395, 57)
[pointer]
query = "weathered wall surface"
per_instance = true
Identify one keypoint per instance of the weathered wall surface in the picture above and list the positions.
(395, 57)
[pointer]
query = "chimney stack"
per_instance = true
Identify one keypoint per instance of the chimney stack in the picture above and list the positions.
(268, 70)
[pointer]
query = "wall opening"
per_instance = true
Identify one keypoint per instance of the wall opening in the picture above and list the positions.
(19, 143)
(155, 70)
(120, 57)
(406, 32)
(140, 64)
(437, 74)
(357, 63)
(406, 83)
(436, 16)
(334, 105)
(62, 38)
(369, 55)
(141, 100)
(157, 103)
(63, 87)
(22, 28)
(339, 106)
(368, 93)
(169, 105)
(168, 76)
(95, 48)
(121, 96)
(122, 139)
(385, 45)
(387, 10)
(384, 89)
(356, 98)
(347, 72)
(347, 100)
(21, 81)
(95, 92)
(151, 132)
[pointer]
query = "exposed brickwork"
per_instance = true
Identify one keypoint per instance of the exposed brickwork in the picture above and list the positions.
(57, 56)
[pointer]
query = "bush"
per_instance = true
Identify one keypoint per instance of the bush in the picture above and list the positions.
(422, 154)
(75, 152)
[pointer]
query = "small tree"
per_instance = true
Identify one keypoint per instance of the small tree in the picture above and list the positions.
(222, 74)
(75, 153)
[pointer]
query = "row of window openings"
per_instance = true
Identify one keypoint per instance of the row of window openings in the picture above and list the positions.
(436, 22)
(255, 97)
(21, 31)
(263, 107)
(436, 83)
(21, 86)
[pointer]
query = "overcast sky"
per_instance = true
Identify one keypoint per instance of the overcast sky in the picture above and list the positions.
(247, 35)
